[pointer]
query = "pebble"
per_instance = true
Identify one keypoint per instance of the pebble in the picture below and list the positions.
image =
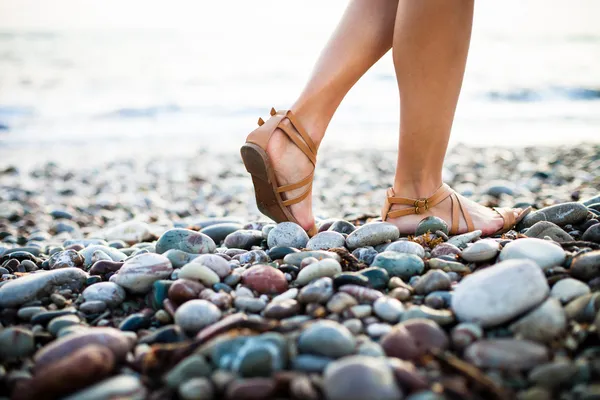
(109, 293)
(282, 309)
(544, 229)
(360, 377)
(406, 246)
(340, 302)
(388, 309)
(320, 269)
(130, 232)
(568, 289)
(243, 239)
(326, 338)
(326, 240)
(465, 333)
(560, 214)
(318, 291)
(432, 280)
(218, 232)
(585, 266)
(196, 389)
(89, 251)
(365, 254)
(40, 284)
(297, 257)
(461, 241)
(399, 264)
(592, 234)
(194, 315)
(26, 313)
(431, 224)
(412, 339)
(15, 343)
(198, 272)
(499, 293)
(507, 354)
(265, 279)
(140, 272)
(480, 251)
(194, 366)
(553, 374)
(216, 263)
(372, 234)
(542, 252)
(445, 249)
(61, 322)
(120, 386)
(288, 234)
(249, 304)
(543, 324)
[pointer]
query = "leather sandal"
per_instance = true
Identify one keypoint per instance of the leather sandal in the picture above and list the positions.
(269, 195)
(421, 205)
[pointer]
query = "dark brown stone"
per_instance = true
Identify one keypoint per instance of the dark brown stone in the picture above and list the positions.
(183, 290)
(251, 389)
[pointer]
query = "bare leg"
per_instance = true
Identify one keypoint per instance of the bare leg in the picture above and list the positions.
(362, 37)
(431, 41)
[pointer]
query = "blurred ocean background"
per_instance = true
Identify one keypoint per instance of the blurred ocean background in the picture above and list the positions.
(100, 79)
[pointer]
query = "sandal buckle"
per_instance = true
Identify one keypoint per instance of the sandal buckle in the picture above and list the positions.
(420, 205)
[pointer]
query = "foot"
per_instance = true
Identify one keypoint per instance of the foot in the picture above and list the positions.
(291, 166)
(484, 218)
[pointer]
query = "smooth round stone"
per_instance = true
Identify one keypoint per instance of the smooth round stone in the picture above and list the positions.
(410, 340)
(15, 343)
(89, 251)
(93, 307)
(431, 224)
(318, 291)
(543, 324)
(265, 279)
(560, 214)
(107, 292)
(243, 239)
(135, 322)
(465, 333)
(254, 257)
(326, 338)
(218, 232)
(500, 293)
(198, 272)
(370, 348)
(546, 228)
(542, 252)
(585, 266)
(288, 234)
(326, 240)
(445, 249)
(196, 389)
(58, 323)
(45, 317)
(251, 389)
(193, 366)
(360, 377)
(432, 281)
(310, 363)
(166, 334)
(297, 258)
(388, 309)
(406, 246)
(448, 266)
(568, 289)
(278, 253)
(249, 304)
(26, 313)
(179, 258)
(553, 374)
(194, 315)
(461, 241)
(584, 308)
(183, 290)
(340, 301)
(360, 311)
(372, 234)
(121, 386)
(260, 356)
(185, 240)
(399, 264)
(592, 234)
(218, 264)
(288, 294)
(365, 254)
(482, 250)
(282, 309)
(350, 278)
(378, 277)
(320, 269)
(140, 272)
(362, 294)
(376, 330)
(507, 354)
(40, 284)
(342, 226)
(129, 232)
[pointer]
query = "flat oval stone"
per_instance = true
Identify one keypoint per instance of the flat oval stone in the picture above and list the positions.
(499, 293)
(360, 377)
(543, 324)
(431, 224)
(278, 253)
(40, 284)
(250, 389)
(326, 240)
(243, 239)
(320, 269)
(120, 386)
(350, 278)
(218, 232)
(372, 234)
(461, 241)
(507, 354)
(108, 292)
(58, 323)
(326, 338)
(282, 309)
(194, 315)
(310, 363)
(92, 307)
(342, 226)
(399, 264)
(571, 213)
(585, 266)
(554, 374)
(26, 313)
(388, 309)
(215, 262)
(16, 342)
(408, 247)
(140, 272)
(196, 389)
(445, 249)
(296, 258)
(546, 228)
(362, 294)
(190, 367)
(319, 291)
(482, 250)
(378, 277)
(592, 234)
(254, 257)
(185, 240)
(542, 252)
(288, 234)
(249, 304)
(265, 279)
(568, 289)
(183, 290)
(198, 272)
(340, 302)
(433, 280)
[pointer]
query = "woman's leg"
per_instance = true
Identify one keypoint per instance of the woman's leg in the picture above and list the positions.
(362, 37)
(431, 41)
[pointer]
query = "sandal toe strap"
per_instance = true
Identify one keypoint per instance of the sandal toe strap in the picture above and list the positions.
(508, 216)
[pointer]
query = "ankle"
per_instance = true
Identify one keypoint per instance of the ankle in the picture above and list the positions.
(416, 188)
(313, 119)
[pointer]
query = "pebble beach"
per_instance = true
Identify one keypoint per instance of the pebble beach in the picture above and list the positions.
(157, 278)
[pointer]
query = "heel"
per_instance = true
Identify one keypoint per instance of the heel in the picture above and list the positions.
(256, 161)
